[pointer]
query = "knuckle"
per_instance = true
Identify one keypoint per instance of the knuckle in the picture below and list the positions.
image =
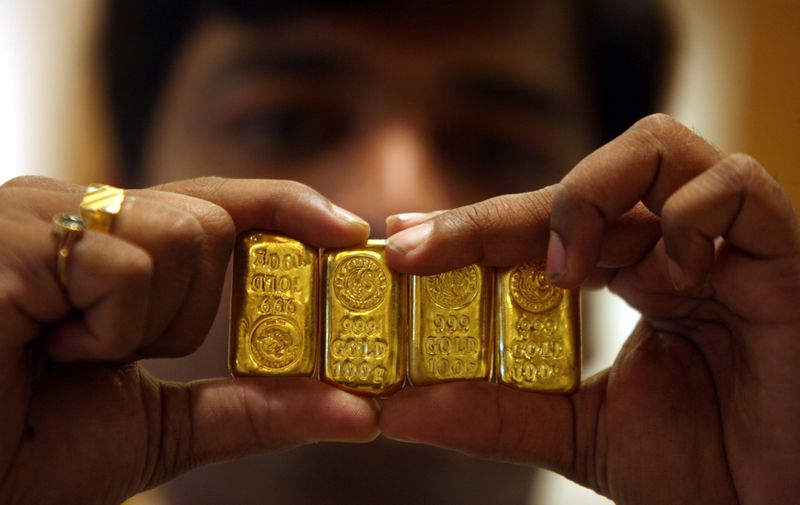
(658, 121)
(745, 168)
(209, 182)
(207, 187)
(658, 130)
(299, 191)
(216, 222)
(24, 181)
(185, 232)
(135, 267)
(185, 238)
(651, 131)
(535, 204)
(747, 173)
(738, 172)
(289, 197)
(290, 186)
(474, 219)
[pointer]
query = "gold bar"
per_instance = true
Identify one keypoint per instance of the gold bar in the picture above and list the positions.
(273, 306)
(538, 337)
(364, 321)
(451, 321)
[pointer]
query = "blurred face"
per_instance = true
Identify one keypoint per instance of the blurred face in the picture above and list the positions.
(414, 111)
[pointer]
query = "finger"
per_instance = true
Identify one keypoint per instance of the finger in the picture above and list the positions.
(132, 288)
(399, 222)
(502, 231)
(178, 246)
(285, 206)
(485, 419)
(39, 197)
(218, 419)
(598, 278)
(190, 242)
(30, 295)
(629, 238)
(223, 207)
(152, 255)
(43, 183)
(109, 285)
(108, 280)
(647, 163)
(736, 200)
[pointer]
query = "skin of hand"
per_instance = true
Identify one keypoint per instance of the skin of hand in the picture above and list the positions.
(702, 403)
(81, 421)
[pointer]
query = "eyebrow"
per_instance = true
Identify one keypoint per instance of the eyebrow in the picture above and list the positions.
(306, 64)
(322, 65)
(481, 87)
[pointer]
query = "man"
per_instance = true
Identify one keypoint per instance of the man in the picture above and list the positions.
(410, 106)
(418, 108)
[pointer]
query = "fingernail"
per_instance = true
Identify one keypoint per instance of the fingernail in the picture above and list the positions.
(407, 219)
(408, 216)
(349, 217)
(556, 258)
(676, 275)
(409, 239)
(396, 221)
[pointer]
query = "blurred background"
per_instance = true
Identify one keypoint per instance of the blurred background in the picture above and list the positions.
(737, 83)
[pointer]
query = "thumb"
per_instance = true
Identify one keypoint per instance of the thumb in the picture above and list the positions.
(494, 421)
(210, 420)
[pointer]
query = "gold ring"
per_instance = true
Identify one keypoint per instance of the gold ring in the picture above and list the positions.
(69, 229)
(100, 205)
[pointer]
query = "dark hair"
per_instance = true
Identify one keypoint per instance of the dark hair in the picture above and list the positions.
(627, 55)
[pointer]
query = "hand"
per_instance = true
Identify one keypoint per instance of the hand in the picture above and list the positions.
(702, 404)
(80, 420)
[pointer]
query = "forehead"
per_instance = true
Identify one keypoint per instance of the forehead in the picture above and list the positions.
(410, 49)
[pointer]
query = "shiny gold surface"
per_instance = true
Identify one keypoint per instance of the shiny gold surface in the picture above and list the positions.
(538, 337)
(451, 322)
(274, 306)
(100, 205)
(364, 324)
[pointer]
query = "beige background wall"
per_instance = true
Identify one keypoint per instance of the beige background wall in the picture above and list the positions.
(771, 119)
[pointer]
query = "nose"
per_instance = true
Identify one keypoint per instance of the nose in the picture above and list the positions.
(393, 170)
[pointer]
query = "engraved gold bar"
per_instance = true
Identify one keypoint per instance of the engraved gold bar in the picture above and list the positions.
(451, 326)
(364, 321)
(274, 306)
(538, 331)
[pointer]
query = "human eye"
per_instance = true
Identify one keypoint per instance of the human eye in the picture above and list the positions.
(289, 131)
(500, 157)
